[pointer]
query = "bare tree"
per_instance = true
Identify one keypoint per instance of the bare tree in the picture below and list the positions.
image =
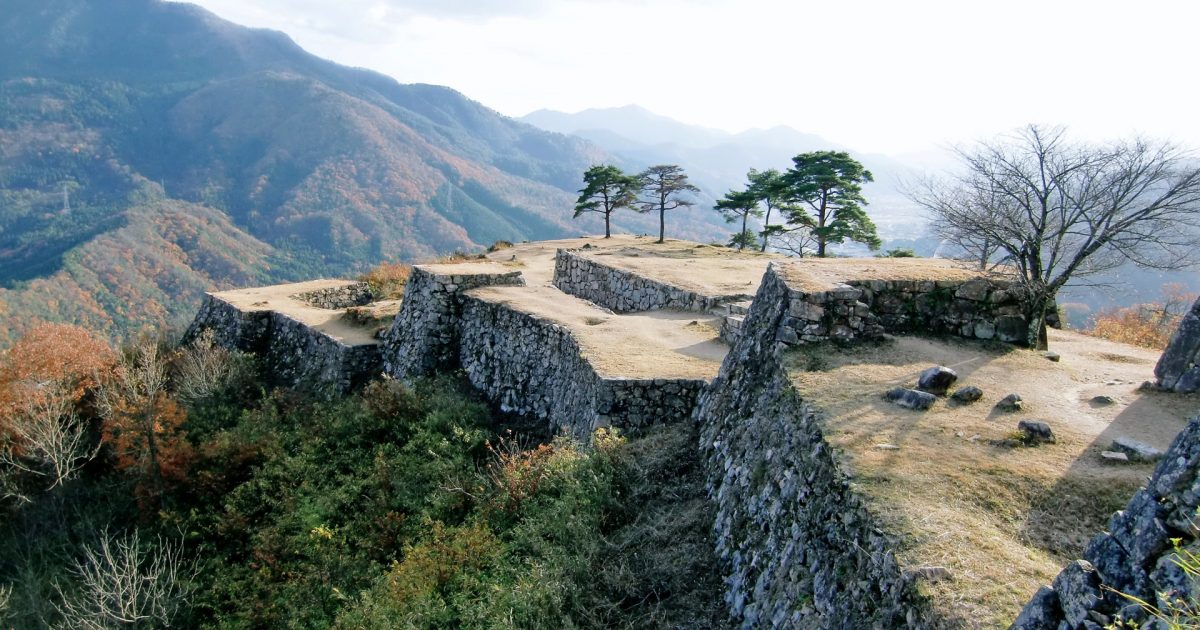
(202, 368)
(125, 582)
(46, 437)
(130, 403)
(1060, 210)
(5, 597)
(798, 241)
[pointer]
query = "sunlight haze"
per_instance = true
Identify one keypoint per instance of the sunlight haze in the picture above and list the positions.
(878, 76)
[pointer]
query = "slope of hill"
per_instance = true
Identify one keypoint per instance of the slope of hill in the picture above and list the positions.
(326, 169)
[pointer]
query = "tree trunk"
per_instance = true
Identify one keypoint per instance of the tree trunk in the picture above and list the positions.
(662, 223)
(741, 235)
(820, 246)
(607, 232)
(1036, 336)
(766, 224)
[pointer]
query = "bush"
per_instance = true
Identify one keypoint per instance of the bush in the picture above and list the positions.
(1147, 325)
(387, 281)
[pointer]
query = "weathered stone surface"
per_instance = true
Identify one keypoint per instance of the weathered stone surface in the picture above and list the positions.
(1179, 367)
(535, 368)
(1078, 590)
(936, 380)
(1114, 456)
(424, 336)
(294, 354)
(911, 398)
(800, 548)
(1135, 450)
(1043, 612)
(1010, 403)
(1134, 556)
(1035, 432)
(967, 395)
(335, 298)
(1102, 400)
(624, 291)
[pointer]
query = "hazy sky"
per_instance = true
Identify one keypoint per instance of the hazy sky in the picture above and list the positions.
(879, 76)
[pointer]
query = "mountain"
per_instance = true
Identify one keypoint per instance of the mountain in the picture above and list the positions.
(132, 131)
(718, 161)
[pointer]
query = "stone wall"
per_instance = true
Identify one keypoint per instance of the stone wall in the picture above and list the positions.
(800, 548)
(424, 337)
(231, 326)
(529, 366)
(1136, 556)
(1179, 367)
(337, 298)
(294, 354)
(865, 309)
(624, 291)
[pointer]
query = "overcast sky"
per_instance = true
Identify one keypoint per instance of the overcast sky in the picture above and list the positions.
(876, 75)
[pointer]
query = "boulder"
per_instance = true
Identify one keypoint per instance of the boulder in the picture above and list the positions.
(1041, 613)
(1179, 367)
(911, 398)
(967, 395)
(1102, 401)
(1010, 403)
(1135, 450)
(936, 380)
(1034, 432)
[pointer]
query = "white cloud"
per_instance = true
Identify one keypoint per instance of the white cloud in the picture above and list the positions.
(877, 75)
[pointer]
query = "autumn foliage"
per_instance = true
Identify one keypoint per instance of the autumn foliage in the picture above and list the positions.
(1147, 325)
(387, 280)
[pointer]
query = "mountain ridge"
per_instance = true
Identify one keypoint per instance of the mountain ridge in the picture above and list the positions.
(331, 168)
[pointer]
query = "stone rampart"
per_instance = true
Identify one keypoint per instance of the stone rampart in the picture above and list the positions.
(294, 353)
(528, 365)
(800, 548)
(337, 298)
(424, 337)
(1137, 555)
(981, 308)
(1179, 367)
(623, 291)
(231, 326)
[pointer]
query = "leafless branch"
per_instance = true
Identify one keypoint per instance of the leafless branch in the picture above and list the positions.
(48, 439)
(123, 581)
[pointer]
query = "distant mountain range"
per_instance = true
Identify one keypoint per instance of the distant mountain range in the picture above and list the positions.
(718, 161)
(150, 150)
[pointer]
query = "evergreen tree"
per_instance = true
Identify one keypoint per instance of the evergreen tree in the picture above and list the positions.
(741, 204)
(606, 189)
(826, 190)
(661, 187)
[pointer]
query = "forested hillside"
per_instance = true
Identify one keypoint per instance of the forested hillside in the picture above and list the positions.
(131, 115)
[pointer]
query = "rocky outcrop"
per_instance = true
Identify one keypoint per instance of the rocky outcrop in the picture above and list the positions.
(337, 298)
(1179, 367)
(424, 337)
(1136, 557)
(534, 367)
(799, 546)
(623, 291)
